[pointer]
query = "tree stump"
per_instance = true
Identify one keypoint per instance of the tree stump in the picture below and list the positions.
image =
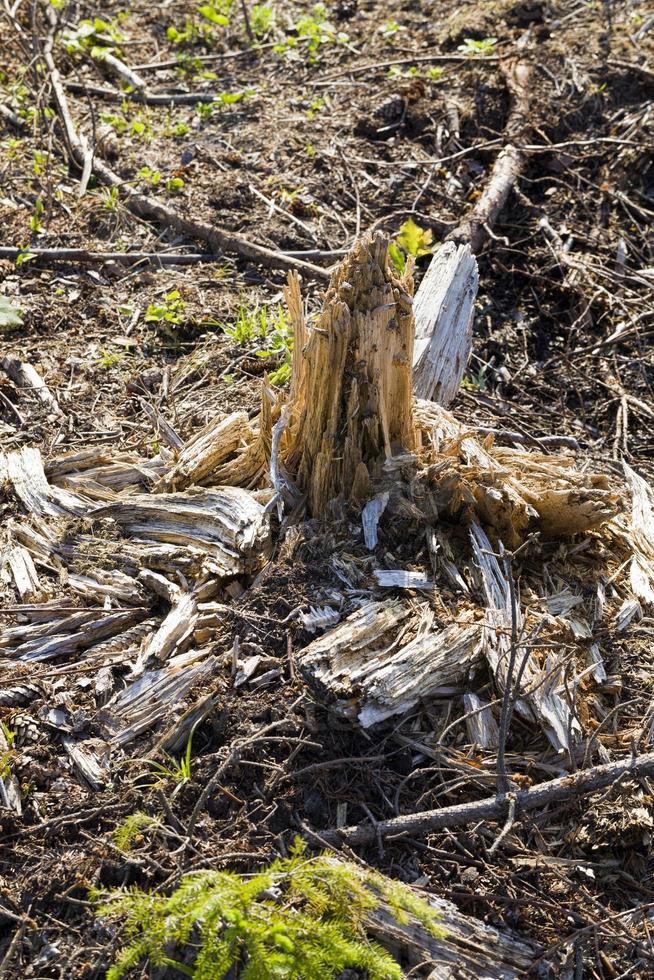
(351, 402)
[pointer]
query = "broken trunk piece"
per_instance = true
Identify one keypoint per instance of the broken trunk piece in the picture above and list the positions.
(480, 722)
(103, 627)
(443, 310)
(467, 949)
(539, 690)
(367, 670)
(149, 698)
(16, 565)
(351, 404)
(201, 455)
(227, 523)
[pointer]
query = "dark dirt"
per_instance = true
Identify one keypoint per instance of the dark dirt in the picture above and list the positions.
(336, 153)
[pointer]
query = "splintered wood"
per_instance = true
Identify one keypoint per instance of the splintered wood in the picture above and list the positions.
(351, 407)
(122, 567)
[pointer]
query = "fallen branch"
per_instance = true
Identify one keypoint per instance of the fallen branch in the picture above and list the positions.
(496, 807)
(147, 207)
(93, 258)
(508, 165)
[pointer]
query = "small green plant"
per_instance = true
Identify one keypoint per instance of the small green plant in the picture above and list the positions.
(315, 30)
(39, 161)
(216, 12)
(94, 36)
(178, 771)
(174, 185)
(280, 345)
(171, 310)
(390, 29)
(476, 382)
(110, 199)
(473, 48)
(109, 359)
(131, 829)
(35, 220)
(151, 176)
(262, 19)
(302, 917)
(250, 323)
(410, 240)
(315, 106)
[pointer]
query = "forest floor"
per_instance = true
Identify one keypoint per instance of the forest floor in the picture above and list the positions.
(336, 120)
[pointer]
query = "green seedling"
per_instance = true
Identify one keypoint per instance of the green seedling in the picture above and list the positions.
(94, 36)
(35, 220)
(151, 176)
(476, 382)
(473, 48)
(109, 359)
(131, 829)
(171, 310)
(410, 240)
(262, 19)
(390, 29)
(307, 917)
(314, 30)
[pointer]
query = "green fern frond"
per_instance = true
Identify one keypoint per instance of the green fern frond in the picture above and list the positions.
(300, 917)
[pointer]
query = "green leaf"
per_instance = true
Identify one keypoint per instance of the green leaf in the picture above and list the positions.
(9, 315)
(397, 257)
(414, 240)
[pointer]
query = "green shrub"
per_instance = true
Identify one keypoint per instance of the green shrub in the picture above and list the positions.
(302, 917)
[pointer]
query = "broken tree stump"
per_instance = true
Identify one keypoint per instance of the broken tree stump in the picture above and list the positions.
(352, 407)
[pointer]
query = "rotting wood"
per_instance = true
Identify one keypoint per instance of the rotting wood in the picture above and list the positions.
(23, 470)
(467, 949)
(16, 564)
(201, 455)
(226, 523)
(351, 404)
(495, 808)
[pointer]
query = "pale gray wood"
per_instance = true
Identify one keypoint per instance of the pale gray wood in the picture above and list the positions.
(443, 309)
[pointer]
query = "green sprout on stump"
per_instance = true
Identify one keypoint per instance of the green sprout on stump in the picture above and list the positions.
(302, 917)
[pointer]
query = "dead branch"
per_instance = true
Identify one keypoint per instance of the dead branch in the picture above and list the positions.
(496, 808)
(508, 165)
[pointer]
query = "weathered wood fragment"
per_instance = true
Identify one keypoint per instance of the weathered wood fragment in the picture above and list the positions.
(201, 455)
(367, 670)
(227, 523)
(536, 685)
(443, 310)
(467, 949)
(16, 565)
(100, 628)
(481, 725)
(145, 702)
(23, 470)
(28, 378)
